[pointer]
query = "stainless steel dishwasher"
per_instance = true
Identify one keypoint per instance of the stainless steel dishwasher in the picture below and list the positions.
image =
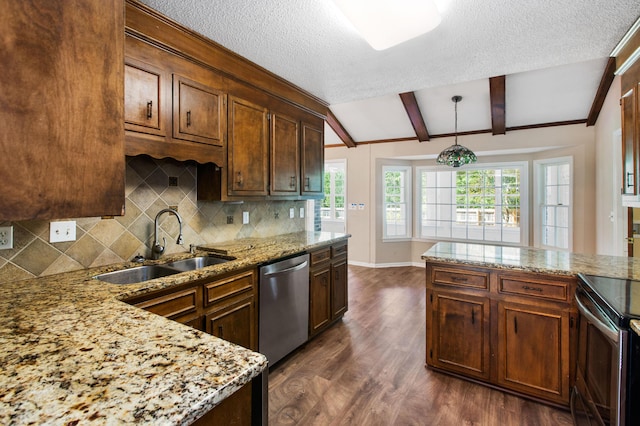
(284, 307)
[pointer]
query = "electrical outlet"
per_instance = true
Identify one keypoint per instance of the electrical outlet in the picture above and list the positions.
(229, 220)
(62, 231)
(292, 213)
(245, 218)
(6, 237)
(301, 212)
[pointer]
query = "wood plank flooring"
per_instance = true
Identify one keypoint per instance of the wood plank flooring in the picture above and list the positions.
(369, 369)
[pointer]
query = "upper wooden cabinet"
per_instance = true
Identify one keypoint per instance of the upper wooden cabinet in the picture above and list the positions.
(248, 151)
(62, 109)
(254, 134)
(173, 107)
(312, 160)
(198, 112)
(285, 155)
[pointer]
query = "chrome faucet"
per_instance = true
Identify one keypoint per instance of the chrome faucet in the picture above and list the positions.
(158, 249)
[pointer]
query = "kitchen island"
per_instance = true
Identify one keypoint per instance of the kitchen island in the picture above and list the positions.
(506, 316)
(73, 352)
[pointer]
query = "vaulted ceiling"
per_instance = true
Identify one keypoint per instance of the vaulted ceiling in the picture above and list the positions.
(515, 63)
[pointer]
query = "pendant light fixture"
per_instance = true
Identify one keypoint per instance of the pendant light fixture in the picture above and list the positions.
(456, 155)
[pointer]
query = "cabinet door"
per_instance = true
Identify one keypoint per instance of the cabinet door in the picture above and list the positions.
(533, 350)
(319, 298)
(339, 293)
(629, 142)
(285, 155)
(248, 154)
(312, 160)
(234, 321)
(62, 89)
(142, 97)
(458, 333)
(198, 112)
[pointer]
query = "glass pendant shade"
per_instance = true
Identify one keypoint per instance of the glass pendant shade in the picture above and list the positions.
(456, 155)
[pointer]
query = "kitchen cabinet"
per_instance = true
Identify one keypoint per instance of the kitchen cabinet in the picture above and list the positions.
(198, 112)
(328, 286)
(224, 307)
(630, 122)
(312, 161)
(143, 85)
(512, 329)
(459, 333)
(62, 109)
(630, 141)
(182, 305)
(248, 151)
(173, 107)
(230, 309)
(285, 155)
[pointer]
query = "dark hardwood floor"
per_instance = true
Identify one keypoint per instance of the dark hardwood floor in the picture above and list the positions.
(368, 369)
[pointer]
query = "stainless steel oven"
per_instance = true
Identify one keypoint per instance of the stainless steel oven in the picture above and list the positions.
(605, 390)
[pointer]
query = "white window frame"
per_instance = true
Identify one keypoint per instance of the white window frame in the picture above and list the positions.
(539, 193)
(407, 202)
(524, 201)
(334, 221)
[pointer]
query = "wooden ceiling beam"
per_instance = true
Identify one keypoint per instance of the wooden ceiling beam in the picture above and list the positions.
(337, 127)
(497, 96)
(603, 89)
(415, 116)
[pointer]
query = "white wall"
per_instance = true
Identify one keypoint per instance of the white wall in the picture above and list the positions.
(611, 217)
(364, 165)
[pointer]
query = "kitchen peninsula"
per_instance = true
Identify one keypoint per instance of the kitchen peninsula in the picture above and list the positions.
(72, 351)
(506, 316)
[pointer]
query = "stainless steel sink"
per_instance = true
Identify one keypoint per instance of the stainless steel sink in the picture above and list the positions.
(137, 274)
(196, 263)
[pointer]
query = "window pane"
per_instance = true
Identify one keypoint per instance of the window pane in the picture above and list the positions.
(474, 204)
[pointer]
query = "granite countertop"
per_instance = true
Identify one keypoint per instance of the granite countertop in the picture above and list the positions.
(534, 260)
(72, 351)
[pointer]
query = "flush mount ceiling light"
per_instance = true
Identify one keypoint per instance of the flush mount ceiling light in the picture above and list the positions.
(385, 23)
(456, 155)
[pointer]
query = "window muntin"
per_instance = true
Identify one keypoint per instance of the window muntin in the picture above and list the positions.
(397, 203)
(479, 203)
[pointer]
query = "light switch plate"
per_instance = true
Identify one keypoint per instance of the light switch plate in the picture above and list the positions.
(62, 231)
(301, 212)
(6, 237)
(245, 218)
(292, 213)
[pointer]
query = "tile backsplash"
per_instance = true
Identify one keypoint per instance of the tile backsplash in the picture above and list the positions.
(150, 187)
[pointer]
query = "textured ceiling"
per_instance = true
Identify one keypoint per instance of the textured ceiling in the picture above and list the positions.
(309, 43)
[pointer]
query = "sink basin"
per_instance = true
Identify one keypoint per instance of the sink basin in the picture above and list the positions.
(196, 263)
(137, 274)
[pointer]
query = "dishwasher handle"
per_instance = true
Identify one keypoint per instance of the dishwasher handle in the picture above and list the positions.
(284, 271)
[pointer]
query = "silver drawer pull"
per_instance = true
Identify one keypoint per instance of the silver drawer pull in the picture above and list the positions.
(538, 289)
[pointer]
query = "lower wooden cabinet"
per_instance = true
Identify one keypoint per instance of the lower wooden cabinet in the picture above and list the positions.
(225, 308)
(459, 333)
(328, 286)
(533, 349)
(511, 329)
(231, 312)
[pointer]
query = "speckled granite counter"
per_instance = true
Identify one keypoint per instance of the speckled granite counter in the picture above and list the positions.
(71, 351)
(534, 260)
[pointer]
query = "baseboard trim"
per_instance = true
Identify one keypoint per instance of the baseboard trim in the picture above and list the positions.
(386, 265)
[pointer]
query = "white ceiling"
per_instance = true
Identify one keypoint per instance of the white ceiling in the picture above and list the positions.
(552, 52)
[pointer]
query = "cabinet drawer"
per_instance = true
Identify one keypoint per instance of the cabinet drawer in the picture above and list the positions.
(320, 256)
(173, 304)
(339, 250)
(543, 289)
(227, 287)
(460, 278)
